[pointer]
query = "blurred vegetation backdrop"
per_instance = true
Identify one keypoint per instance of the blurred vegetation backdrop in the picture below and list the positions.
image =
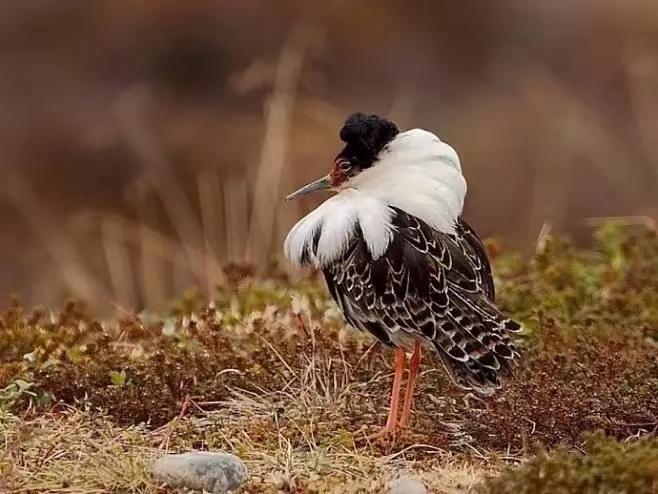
(145, 144)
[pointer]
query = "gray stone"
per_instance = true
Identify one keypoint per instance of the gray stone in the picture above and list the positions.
(406, 485)
(217, 473)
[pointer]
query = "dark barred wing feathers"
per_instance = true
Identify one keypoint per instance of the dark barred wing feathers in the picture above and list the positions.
(477, 253)
(433, 287)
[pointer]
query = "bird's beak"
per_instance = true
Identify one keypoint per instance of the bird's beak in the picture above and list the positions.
(324, 183)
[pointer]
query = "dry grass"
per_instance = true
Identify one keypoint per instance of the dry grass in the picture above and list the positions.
(74, 451)
(297, 439)
(269, 372)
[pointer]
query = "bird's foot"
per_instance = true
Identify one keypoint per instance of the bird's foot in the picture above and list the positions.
(404, 421)
(384, 434)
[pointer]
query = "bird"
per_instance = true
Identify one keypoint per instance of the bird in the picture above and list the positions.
(400, 261)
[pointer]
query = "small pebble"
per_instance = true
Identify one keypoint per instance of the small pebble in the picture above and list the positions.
(217, 473)
(406, 485)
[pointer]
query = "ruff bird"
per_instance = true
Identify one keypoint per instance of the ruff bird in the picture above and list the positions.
(399, 260)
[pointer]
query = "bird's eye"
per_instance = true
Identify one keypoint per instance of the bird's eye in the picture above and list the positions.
(345, 165)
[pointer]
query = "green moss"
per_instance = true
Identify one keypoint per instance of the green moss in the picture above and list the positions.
(608, 466)
(256, 296)
(613, 283)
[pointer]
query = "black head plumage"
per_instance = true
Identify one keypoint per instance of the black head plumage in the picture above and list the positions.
(365, 136)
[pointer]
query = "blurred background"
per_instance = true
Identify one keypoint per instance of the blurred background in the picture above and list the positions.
(147, 144)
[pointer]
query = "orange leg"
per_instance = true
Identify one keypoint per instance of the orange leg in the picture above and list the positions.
(414, 367)
(391, 422)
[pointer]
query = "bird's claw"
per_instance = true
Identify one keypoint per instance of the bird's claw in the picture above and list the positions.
(385, 433)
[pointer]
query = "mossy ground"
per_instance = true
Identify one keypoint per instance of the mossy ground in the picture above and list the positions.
(270, 372)
(605, 466)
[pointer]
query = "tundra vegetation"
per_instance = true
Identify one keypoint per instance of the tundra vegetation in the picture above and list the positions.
(270, 372)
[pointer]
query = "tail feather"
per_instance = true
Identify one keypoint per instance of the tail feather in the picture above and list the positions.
(478, 350)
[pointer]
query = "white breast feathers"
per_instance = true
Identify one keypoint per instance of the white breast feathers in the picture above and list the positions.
(416, 172)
